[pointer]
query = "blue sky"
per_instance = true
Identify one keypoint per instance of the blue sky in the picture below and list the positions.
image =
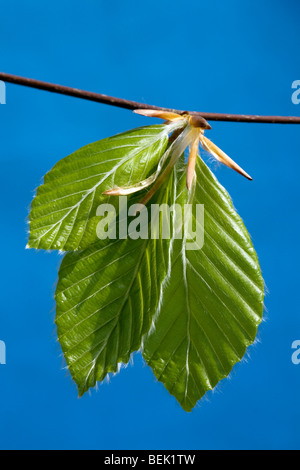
(234, 57)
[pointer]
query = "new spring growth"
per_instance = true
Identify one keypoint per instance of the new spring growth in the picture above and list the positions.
(188, 132)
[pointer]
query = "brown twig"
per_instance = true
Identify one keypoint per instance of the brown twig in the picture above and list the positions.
(127, 104)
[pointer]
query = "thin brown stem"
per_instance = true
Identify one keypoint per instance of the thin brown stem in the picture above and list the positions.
(127, 104)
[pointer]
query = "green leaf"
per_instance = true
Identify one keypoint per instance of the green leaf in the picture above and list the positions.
(212, 301)
(63, 213)
(106, 297)
(193, 312)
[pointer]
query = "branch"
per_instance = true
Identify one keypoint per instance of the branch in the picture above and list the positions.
(127, 104)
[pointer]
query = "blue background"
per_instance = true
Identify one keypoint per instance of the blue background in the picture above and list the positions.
(232, 56)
